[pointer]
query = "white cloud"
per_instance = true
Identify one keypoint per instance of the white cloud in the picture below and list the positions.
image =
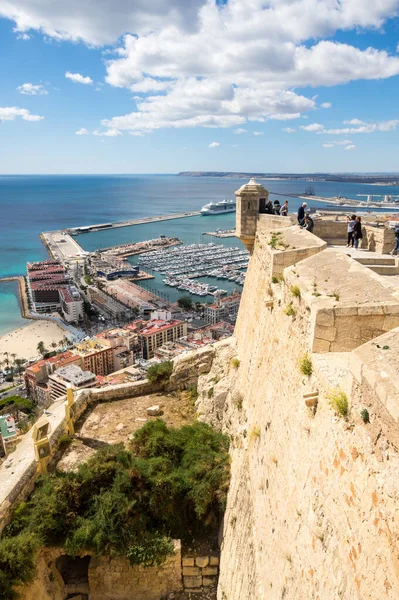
(351, 147)
(136, 133)
(360, 127)
(30, 89)
(239, 131)
(214, 145)
(78, 78)
(98, 22)
(209, 64)
(10, 113)
(326, 105)
(289, 130)
(23, 36)
(108, 133)
(82, 131)
(354, 122)
(313, 127)
(328, 145)
(258, 132)
(285, 117)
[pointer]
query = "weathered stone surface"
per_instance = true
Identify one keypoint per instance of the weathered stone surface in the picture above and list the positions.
(154, 411)
(214, 561)
(187, 561)
(210, 571)
(191, 571)
(209, 581)
(192, 582)
(202, 561)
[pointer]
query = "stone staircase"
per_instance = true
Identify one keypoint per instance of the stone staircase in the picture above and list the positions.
(383, 265)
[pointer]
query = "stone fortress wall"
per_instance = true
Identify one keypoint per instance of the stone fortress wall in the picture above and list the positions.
(313, 506)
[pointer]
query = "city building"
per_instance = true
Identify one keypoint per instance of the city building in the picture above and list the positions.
(97, 356)
(158, 332)
(8, 432)
(37, 375)
(106, 305)
(114, 272)
(71, 304)
(51, 290)
(224, 309)
(132, 296)
(70, 376)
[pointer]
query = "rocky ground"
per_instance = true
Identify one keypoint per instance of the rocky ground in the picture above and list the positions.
(115, 422)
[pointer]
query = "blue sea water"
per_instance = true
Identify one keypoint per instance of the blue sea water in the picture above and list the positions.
(32, 204)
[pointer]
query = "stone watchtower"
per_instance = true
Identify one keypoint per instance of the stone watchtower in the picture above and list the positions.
(251, 200)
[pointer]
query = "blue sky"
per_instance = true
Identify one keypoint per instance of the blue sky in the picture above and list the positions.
(127, 86)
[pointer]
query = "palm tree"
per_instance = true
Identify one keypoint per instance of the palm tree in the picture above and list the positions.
(19, 362)
(41, 348)
(6, 360)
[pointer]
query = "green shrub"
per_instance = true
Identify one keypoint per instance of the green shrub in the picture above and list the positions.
(338, 400)
(235, 363)
(295, 291)
(17, 563)
(305, 365)
(365, 415)
(172, 483)
(238, 400)
(192, 392)
(160, 373)
(275, 279)
(290, 310)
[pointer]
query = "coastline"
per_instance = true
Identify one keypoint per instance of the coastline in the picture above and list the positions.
(24, 340)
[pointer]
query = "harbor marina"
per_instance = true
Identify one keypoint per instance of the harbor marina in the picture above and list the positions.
(183, 266)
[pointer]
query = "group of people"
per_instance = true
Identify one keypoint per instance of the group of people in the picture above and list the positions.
(276, 208)
(354, 231)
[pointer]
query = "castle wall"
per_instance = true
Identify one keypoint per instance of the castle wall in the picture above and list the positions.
(312, 511)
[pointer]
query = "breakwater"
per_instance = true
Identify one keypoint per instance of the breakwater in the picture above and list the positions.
(129, 222)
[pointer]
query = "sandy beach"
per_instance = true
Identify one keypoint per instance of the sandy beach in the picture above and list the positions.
(24, 340)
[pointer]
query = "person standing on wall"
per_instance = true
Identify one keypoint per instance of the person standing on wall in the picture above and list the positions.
(276, 207)
(396, 247)
(357, 231)
(351, 226)
(301, 213)
(284, 209)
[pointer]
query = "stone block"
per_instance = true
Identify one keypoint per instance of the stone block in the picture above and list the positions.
(325, 333)
(202, 561)
(345, 311)
(192, 582)
(191, 571)
(209, 581)
(321, 346)
(370, 310)
(210, 571)
(154, 411)
(214, 561)
(187, 562)
(325, 317)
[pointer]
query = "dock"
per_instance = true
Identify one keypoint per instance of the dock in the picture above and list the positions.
(128, 223)
(227, 233)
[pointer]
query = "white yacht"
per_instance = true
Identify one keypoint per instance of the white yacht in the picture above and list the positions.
(217, 208)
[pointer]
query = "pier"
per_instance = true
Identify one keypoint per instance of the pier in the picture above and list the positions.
(128, 223)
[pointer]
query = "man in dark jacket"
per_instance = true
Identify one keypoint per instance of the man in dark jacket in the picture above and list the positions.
(301, 213)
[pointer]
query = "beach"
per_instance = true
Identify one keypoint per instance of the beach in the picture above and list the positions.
(24, 340)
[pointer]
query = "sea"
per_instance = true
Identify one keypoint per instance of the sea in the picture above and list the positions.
(31, 204)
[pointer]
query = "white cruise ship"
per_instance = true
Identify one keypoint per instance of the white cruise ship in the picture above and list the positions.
(217, 208)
